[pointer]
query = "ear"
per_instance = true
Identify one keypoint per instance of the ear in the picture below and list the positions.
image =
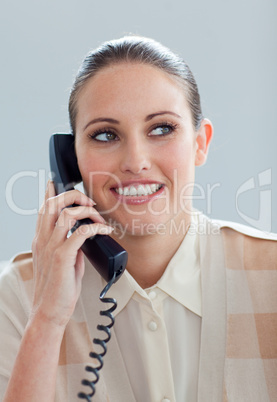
(203, 139)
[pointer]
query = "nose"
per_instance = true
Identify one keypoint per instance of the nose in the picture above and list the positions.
(135, 157)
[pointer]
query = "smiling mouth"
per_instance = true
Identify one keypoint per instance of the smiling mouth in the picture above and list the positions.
(138, 191)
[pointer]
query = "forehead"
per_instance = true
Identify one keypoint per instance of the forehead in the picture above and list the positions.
(131, 87)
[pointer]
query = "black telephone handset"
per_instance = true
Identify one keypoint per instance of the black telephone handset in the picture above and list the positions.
(104, 253)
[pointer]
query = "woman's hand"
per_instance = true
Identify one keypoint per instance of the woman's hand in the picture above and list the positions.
(58, 260)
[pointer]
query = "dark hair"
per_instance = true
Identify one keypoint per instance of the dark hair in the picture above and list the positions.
(140, 50)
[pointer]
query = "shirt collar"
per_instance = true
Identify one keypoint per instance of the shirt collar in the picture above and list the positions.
(181, 279)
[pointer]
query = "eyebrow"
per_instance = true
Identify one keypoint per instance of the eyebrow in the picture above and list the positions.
(101, 119)
(151, 116)
(114, 121)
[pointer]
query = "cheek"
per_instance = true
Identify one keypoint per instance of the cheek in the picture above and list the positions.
(181, 161)
(90, 168)
(97, 174)
(181, 156)
(90, 162)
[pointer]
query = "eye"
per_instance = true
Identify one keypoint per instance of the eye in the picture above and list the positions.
(104, 136)
(163, 129)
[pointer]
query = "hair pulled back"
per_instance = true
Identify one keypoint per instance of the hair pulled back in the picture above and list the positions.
(136, 49)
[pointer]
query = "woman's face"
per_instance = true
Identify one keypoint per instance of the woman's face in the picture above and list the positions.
(137, 147)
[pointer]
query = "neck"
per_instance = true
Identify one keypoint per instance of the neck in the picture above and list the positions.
(148, 256)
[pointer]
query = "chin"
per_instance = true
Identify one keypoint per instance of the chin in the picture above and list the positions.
(139, 226)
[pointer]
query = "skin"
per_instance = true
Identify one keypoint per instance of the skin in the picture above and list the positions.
(133, 95)
(128, 94)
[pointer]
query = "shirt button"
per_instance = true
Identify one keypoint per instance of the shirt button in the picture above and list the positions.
(152, 325)
(152, 294)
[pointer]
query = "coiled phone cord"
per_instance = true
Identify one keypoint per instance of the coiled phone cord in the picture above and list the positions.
(102, 342)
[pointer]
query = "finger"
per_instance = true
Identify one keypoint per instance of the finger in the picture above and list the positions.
(54, 207)
(70, 247)
(51, 189)
(77, 213)
(69, 217)
(84, 232)
(42, 208)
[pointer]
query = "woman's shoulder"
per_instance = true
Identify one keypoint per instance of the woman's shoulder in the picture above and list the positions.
(242, 246)
(16, 280)
(20, 265)
(16, 290)
(217, 226)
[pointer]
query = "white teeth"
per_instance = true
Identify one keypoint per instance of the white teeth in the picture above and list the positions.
(141, 190)
(148, 189)
(133, 191)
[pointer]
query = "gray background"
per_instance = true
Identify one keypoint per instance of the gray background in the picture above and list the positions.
(231, 48)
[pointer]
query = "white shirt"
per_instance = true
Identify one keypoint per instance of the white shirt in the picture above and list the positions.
(158, 329)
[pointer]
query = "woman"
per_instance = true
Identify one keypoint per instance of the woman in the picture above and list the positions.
(139, 133)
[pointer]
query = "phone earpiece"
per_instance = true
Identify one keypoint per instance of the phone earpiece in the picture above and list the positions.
(63, 162)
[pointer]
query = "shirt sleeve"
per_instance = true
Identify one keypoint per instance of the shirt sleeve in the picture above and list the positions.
(13, 319)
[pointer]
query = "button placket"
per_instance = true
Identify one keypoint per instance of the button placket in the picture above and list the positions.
(157, 363)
